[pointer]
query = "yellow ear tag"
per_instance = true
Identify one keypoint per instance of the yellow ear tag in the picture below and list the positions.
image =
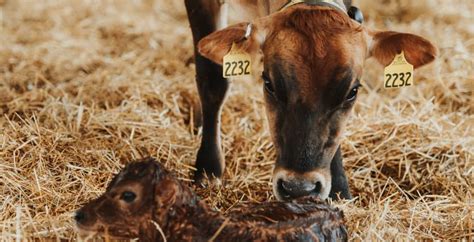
(237, 63)
(399, 73)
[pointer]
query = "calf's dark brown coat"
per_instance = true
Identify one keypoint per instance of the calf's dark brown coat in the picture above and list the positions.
(144, 199)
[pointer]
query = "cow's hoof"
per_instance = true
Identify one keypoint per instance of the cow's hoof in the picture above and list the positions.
(204, 181)
(209, 165)
(202, 175)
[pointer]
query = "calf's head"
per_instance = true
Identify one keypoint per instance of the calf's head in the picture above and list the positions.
(313, 58)
(141, 193)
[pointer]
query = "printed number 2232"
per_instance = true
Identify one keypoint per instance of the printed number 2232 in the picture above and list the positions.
(237, 68)
(398, 79)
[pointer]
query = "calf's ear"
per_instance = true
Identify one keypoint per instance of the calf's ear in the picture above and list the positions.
(247, 36)
(165, 192)
(386, 44)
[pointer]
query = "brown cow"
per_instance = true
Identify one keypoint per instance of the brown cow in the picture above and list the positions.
(313, 57)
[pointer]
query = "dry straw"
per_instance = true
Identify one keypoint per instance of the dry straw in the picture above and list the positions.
(86, 86)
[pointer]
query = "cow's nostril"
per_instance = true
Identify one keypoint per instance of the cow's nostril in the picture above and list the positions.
(80, 216)
(318, 187)
(282, 190)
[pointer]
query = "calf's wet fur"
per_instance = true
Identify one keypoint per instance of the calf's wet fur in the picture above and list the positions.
(147, 202)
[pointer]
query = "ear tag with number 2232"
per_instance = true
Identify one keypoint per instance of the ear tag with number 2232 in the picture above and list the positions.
(236, 63)
(399, 73)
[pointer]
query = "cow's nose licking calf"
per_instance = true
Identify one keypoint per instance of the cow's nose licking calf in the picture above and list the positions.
(296, 188)
(288, 185)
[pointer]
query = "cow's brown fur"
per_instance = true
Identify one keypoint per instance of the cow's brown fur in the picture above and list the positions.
(162, 202)
(313, 57)
(418, 51)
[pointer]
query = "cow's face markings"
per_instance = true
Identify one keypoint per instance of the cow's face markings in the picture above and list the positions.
(309, 93)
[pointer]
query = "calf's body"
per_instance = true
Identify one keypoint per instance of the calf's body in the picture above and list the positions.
(145, 201)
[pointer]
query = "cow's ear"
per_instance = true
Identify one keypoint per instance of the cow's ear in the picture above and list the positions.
(386, 44)
(247, 36)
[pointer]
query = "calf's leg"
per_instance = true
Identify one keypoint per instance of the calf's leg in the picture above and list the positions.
(212, 88)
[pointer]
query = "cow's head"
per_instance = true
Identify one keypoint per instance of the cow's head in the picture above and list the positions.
(313, 58)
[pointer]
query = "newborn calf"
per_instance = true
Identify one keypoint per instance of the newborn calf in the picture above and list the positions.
(145, 201)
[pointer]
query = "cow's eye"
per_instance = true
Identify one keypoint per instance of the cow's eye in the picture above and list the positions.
(268, 84)
(128, 196)
(353, 94)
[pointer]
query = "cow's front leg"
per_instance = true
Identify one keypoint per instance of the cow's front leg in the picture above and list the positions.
(212, 89)
(338, 178)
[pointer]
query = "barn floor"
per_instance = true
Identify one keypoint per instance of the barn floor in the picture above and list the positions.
(86, 86)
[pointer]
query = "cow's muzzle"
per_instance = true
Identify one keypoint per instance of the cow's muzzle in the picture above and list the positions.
(288, 185)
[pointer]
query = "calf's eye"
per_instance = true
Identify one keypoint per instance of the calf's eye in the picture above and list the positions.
(128, 196)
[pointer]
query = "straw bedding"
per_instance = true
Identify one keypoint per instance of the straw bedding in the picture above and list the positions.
(86, 86)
